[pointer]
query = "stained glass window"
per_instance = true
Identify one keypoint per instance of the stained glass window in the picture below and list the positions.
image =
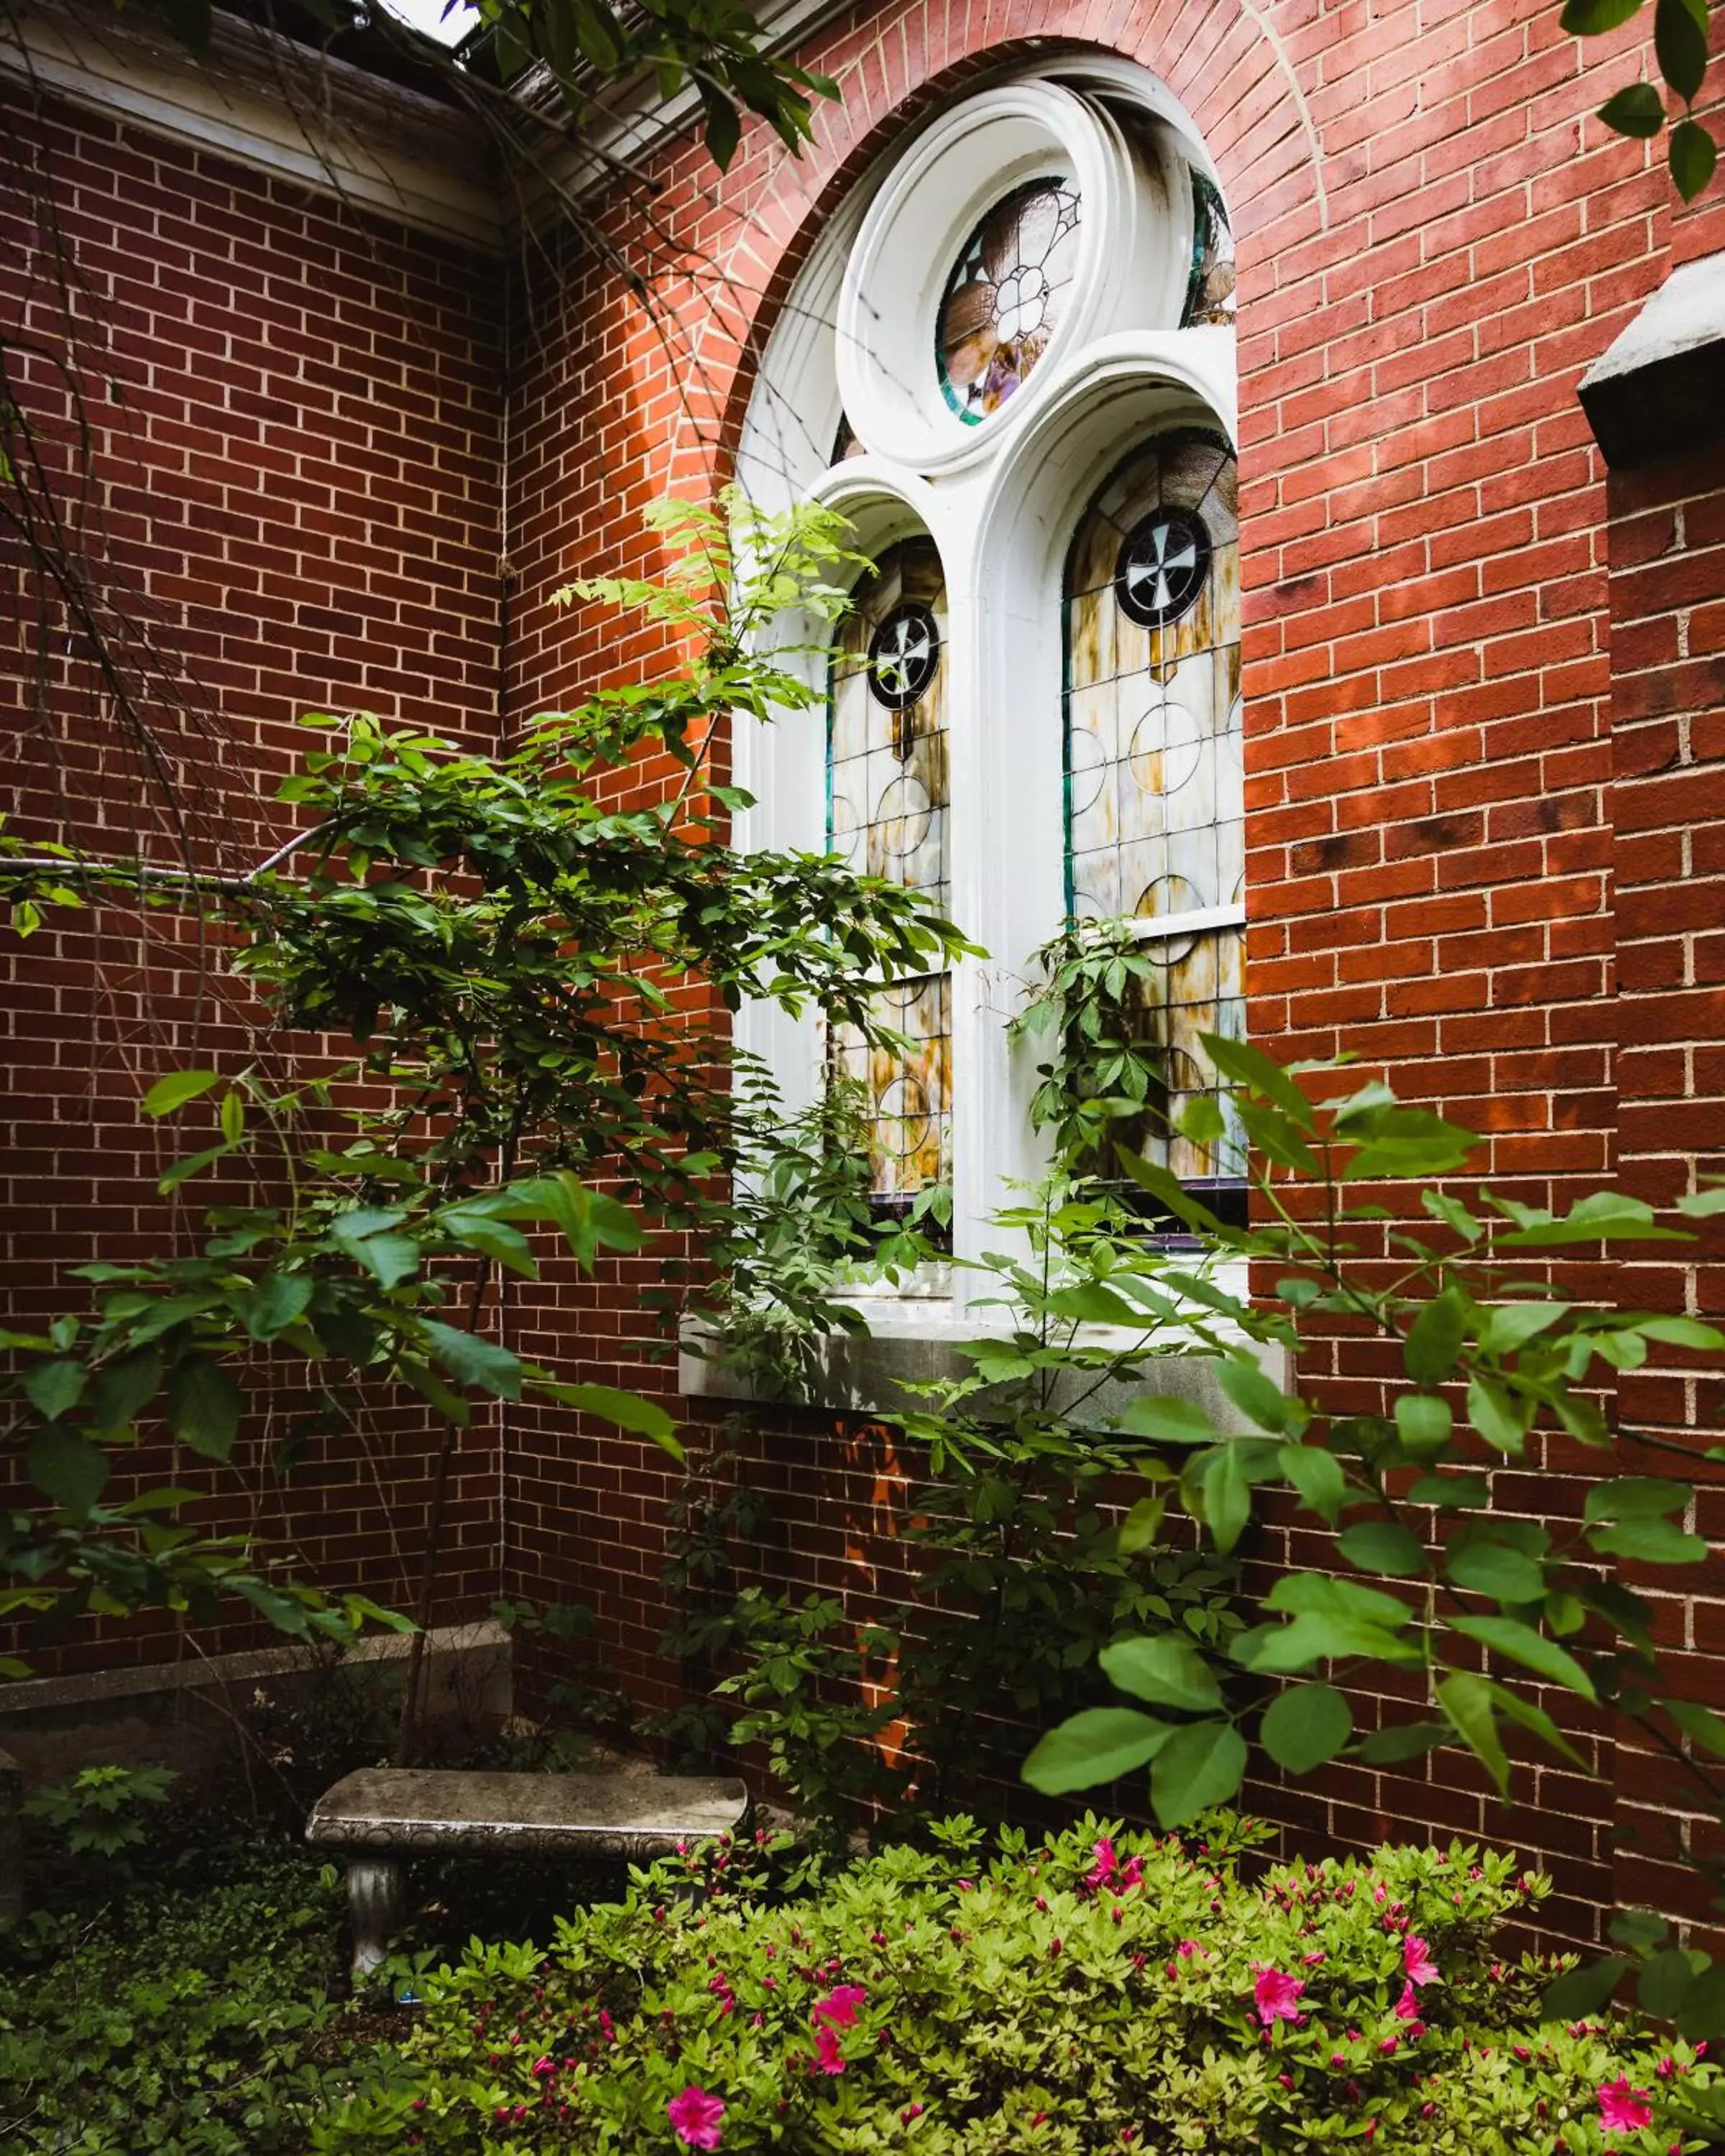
(886, 813)
(1209, 290)
(1155, 827)
(1004, 298)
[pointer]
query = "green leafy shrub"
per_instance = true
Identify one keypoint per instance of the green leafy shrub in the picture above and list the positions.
(175, 2023)
(1097, 1992)
(97, 1813)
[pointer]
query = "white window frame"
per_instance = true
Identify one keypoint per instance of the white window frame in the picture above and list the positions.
(1001, 502)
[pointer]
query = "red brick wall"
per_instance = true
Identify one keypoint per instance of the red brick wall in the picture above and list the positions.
(294, 492)
(1667, 555)
(1435, 241)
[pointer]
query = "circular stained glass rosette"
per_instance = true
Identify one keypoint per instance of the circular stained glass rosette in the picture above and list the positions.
(1006, 295)
(903, 653)
(1162, 565)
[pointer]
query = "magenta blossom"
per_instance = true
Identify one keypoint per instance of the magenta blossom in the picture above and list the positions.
(1417, 1961)
(827, 2051)
(1624, 2109)
(1277, 1994)
(1106, 1866)
(838, 2008)
(697, 2117)
(1407, 2006)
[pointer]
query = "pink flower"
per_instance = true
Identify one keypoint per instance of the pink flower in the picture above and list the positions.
(1417, 1962)
(697, 2117)
(1276, 1994)
(1407, 2007)
(838, 2008)
(827, 2051)
(1624, 2109)
(1106, 1866)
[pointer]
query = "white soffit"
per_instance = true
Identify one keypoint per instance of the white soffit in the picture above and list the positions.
(266, 102)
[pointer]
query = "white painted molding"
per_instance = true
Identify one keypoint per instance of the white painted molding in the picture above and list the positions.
(1686, 312)
(272, 105)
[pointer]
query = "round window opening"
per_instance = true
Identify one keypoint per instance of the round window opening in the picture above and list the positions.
(1162, 565)
(1005, 297)
(903, 653)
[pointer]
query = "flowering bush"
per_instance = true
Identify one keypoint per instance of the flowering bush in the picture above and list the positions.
(1098, 1992)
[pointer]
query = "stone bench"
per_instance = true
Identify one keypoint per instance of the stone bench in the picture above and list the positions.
(382, 1814)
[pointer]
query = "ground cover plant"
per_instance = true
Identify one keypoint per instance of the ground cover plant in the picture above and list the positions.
(1096, 1991)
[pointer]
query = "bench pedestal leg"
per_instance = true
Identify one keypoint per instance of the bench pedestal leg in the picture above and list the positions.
(376, 1905)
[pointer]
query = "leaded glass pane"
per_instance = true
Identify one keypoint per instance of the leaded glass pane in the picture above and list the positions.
(886, 742)
(907, 1095)
(1154, 794)
(1209, 290)
(1154, 786)
(1005, 296)
(886, 813)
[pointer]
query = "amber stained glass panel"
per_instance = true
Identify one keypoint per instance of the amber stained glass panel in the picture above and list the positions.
(1005, 297)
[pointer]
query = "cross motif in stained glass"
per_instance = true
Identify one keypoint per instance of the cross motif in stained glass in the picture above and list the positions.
(1163, 567)
(1006, 295)
(903, 653)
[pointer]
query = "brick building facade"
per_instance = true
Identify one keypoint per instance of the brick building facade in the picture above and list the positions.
(357, 443)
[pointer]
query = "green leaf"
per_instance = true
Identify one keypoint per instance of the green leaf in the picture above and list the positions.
(191, 1164)
(1423, 1423)
(627, 1410)
(1505, 1326)
(274, 1302)
(1090, 1303)
(1261, 1401)
(1202, 1764)
(1168, 1420)
(1693, 154)
(1666, 1981)
(1434, 1339)
(1488, 1568)
(1580, 1992)
(1167, 1670)
(1649, 1541)
(125, 1389)
(1679, 44)
(1273, 1135)
(1636, 1497)
(1227, 1496)
(1538, 1723)
(233, 1117)
(1521, 1643)
(54, 1388)
(174, 1091)
(1498, 1415)
(1315, 1594)
(1099, 1745)
(472, 1361)
(204, 1406)
(1313, 1638)
(1397, 1143)
(1700, 1724)
(1305, 1726)
(1318, 1474)
(1702, 1204)
(67, 1468)
(1381, 1546)
(1250, 1067)
(1638, 111)
(1587, 19)
(1605, 1216)
(1703, 2015)
(364, 1236)
(1142, 1528)
(1467, 1704)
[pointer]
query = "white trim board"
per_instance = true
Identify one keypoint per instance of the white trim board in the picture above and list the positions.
(270, 104)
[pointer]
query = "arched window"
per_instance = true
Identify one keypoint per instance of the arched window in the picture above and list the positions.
(1154, 804)
(1009, 362)
(886, 813)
